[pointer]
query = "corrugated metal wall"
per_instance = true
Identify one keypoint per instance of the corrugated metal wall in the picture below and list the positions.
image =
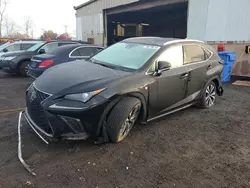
(99, 5)
(92, 19)
(219, 20)
(197, 18)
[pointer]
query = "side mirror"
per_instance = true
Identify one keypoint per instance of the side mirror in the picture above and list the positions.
(163, 66)
(42, 51)
(5, 50)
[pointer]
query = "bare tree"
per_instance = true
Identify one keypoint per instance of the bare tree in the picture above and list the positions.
(3, 4)
(10, 26)
(28, 25)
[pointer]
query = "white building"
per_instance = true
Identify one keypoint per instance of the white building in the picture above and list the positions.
(104, 22)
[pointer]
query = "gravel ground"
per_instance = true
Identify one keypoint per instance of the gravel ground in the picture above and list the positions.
(191, 148)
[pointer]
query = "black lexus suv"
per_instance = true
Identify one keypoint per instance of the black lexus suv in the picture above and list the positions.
(17, 62)
(135, 80)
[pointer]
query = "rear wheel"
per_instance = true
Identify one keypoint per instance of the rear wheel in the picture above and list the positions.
(23, 68)
(122, 118)
(209, 95)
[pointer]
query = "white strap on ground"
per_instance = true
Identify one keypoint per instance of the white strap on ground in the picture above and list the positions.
(20, 146)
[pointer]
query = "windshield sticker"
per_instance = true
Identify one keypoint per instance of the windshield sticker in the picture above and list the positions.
(151, 47)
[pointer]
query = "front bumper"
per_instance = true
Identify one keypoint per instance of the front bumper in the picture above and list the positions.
(43, 135)
(46, 137)
(54, 120)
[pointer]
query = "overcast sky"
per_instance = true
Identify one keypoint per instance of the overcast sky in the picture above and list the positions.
(45, 14)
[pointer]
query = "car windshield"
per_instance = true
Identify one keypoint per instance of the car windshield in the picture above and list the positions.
(128, 55)
(5, 45)
(35, 47)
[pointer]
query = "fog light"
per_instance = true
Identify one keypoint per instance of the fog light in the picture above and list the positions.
(74, 123)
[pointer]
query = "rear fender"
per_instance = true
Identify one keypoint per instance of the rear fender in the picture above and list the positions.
(217, 81)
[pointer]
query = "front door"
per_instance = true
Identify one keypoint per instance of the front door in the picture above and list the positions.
(171, 84)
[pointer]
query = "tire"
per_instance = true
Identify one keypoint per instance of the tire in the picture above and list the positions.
(209, 96)
(122, 118)
(23, 69)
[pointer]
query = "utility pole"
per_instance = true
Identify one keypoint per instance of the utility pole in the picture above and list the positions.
(66, 27)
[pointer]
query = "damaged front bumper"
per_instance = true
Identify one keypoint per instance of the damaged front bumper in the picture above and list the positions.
(47, 137)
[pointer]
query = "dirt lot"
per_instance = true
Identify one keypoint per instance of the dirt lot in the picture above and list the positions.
(191, 148)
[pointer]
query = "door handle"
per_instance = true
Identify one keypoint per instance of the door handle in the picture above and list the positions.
(209, 67)
(185, 75)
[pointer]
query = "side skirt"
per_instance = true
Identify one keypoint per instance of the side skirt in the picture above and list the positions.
(170, 112)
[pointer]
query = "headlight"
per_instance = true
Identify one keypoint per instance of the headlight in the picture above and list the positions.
(83, 97)
(9, 58)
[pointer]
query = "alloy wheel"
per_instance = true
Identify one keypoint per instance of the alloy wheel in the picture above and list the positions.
(129, 122)
(26, 69)
(210, 95)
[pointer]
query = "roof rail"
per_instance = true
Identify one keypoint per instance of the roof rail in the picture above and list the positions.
(181, 40)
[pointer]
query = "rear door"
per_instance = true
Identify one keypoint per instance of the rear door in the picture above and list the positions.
(197, 62)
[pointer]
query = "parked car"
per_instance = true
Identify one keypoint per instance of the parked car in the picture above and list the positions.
(63, 54)
(136, 80)
(17, 46)
(17, 62)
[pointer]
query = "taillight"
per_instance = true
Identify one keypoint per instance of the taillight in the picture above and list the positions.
(46, 63)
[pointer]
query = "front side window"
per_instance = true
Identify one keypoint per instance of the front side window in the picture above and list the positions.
(173, 55)
(36, 47)
(14, 47)
(193, 54)
(50, 46)
(128, 55)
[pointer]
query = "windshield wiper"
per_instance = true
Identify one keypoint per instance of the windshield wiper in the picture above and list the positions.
(102, 64)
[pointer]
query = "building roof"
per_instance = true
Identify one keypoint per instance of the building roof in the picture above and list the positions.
(84, 4)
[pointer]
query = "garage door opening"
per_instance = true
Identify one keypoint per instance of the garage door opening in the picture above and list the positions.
(162, 21)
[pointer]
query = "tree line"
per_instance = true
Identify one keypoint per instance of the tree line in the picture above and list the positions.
(9, 29)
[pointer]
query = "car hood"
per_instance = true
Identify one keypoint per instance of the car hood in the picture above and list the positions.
(77, 77)
(17, 53)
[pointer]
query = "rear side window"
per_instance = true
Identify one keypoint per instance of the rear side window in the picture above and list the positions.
(96, 50)
(75, 53)
(207, 53)
(87, 51)
(26, 46)
(193, 54)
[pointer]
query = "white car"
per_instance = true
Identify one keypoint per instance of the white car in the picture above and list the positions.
(16, 46)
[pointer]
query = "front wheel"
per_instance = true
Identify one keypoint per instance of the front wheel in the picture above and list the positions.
(209, 95)
(122, 118)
